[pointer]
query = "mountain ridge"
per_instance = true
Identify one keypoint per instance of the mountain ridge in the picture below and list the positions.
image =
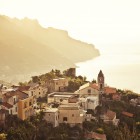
(27, 49)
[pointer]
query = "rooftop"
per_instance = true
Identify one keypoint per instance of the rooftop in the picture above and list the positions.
(50, 110)
(61, 93)
(64, 96)
(69, 107)
(84, 86)
(100, 74)
(110, 114)
(97, 136)
(59, 79)
(7, 105)
(127, 114)
(110, 90)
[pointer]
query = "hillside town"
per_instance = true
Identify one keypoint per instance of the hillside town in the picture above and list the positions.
(90, 102)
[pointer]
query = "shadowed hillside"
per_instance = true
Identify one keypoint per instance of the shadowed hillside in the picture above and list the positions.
(26, 49)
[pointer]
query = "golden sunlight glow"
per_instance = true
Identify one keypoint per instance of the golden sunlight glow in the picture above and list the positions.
(103, 23)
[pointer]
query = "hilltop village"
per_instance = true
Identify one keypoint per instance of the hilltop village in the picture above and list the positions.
(56, 106)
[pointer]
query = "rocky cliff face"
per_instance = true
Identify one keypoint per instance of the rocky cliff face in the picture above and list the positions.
(26, 49)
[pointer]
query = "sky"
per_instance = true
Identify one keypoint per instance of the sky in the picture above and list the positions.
(113, 26)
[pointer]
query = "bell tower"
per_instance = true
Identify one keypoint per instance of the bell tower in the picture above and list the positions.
(100, 80)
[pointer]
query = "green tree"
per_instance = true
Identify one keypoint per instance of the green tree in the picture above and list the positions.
(94, 81)
(35, 79)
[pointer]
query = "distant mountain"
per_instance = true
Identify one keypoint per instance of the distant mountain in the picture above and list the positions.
(27, 49)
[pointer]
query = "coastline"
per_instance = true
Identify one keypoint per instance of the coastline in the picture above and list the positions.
(118, 72)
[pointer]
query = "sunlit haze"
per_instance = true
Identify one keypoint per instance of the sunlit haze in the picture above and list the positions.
(112, 26)
(107, 24)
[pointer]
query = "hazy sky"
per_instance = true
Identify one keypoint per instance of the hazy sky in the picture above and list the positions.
(112, 25)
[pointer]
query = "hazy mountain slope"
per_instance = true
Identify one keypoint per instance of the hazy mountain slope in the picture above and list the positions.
(26, 48)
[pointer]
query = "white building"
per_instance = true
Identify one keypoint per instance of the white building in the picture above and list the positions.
(90, 102)
(59, 97)
(88, 89)
(110, 117)
(9, 102)
(38, 91)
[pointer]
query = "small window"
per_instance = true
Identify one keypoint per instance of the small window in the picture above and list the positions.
(30, 103)
(72, 115)
(16, 109)
(14, 100)
(65, 119)
(11, 111)
(39, 93)
(25, 104)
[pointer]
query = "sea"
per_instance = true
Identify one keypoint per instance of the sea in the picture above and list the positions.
(120, 70)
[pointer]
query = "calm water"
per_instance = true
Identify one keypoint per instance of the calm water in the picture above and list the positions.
(120, 71)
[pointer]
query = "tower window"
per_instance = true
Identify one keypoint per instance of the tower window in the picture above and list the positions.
(101, 86)
(89, 90)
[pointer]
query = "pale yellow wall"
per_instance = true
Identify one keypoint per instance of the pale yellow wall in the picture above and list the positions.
(56, 84)
(52, 117)
(84, 92)
(73, 116)
(25, 112)
(38, 92)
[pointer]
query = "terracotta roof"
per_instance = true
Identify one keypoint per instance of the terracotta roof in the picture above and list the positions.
(9, 94)
(19, 94)
(110, 114)
(22, 95)
(110, 90)
(3, 111)
(94, 86)
(96, 136)
(33, 85)
(127, 114)
(7, 105)
(23, 88)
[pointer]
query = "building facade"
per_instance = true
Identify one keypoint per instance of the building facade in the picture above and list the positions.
(71, 114)
(58, 85)
(25, 108)
(51, 116)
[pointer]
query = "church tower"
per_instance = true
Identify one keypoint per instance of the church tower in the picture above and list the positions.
(101, 80)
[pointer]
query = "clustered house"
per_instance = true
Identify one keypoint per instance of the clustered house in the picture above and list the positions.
(62, 106)
(57, 85)
(21, 100)
(71, 114)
